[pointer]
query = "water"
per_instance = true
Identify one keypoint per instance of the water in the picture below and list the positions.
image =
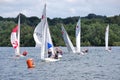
(96, 65)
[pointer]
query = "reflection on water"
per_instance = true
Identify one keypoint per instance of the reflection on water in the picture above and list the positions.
(96, 65)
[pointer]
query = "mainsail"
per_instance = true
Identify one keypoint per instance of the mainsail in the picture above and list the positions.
(15, 38)
(78, 37)
(38, 32)
(67, 40)
(106, 37)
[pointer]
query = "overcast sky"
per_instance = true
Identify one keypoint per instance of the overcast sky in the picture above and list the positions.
(59, 8)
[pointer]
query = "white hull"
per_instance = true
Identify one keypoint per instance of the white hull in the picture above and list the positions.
(50, 60)
(59, 55)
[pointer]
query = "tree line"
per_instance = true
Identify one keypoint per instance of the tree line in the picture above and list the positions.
(92, 30)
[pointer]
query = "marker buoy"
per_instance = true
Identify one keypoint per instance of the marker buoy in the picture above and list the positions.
(25, 53)
(30, 63)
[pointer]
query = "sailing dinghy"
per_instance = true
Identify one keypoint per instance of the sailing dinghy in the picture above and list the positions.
(43, 39)
(67, 40)
(15, 39)
(78, 38)
(107, 38)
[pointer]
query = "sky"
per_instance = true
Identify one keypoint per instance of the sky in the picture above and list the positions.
(59, 8)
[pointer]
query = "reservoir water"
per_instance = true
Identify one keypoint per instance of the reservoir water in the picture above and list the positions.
(97, 64)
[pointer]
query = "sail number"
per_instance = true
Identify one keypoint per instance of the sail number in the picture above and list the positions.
(38, 34)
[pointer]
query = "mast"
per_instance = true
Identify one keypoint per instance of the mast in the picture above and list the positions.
(49, 43)
(43, 27)
(18, 35)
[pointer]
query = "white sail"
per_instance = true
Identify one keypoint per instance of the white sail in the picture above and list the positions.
(67, 40)
(15, 38)
(78, 37)
(106, 37)
(42, 36)
(37, 35)
(49, 40)
(38, 32)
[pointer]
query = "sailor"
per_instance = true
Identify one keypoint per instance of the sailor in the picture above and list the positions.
(85, 50)
(59, 51)
(49, 53)
(56, 55)
(25, 53)
(110, 48)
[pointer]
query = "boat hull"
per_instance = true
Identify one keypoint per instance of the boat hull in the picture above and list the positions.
(50, 60)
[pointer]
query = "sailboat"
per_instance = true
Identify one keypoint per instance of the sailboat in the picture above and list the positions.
(106, 38)
(43, 39)
(78, 30)
(15, 39)
(67, 40)
(78, 37)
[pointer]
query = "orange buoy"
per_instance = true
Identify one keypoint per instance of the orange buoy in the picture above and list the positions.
(30, 63)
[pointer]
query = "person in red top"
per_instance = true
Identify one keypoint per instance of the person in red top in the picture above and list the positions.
(25, 53)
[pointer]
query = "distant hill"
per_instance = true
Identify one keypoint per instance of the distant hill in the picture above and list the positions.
(93, 29)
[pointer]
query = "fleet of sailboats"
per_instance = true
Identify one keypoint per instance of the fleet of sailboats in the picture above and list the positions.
(43, 38)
